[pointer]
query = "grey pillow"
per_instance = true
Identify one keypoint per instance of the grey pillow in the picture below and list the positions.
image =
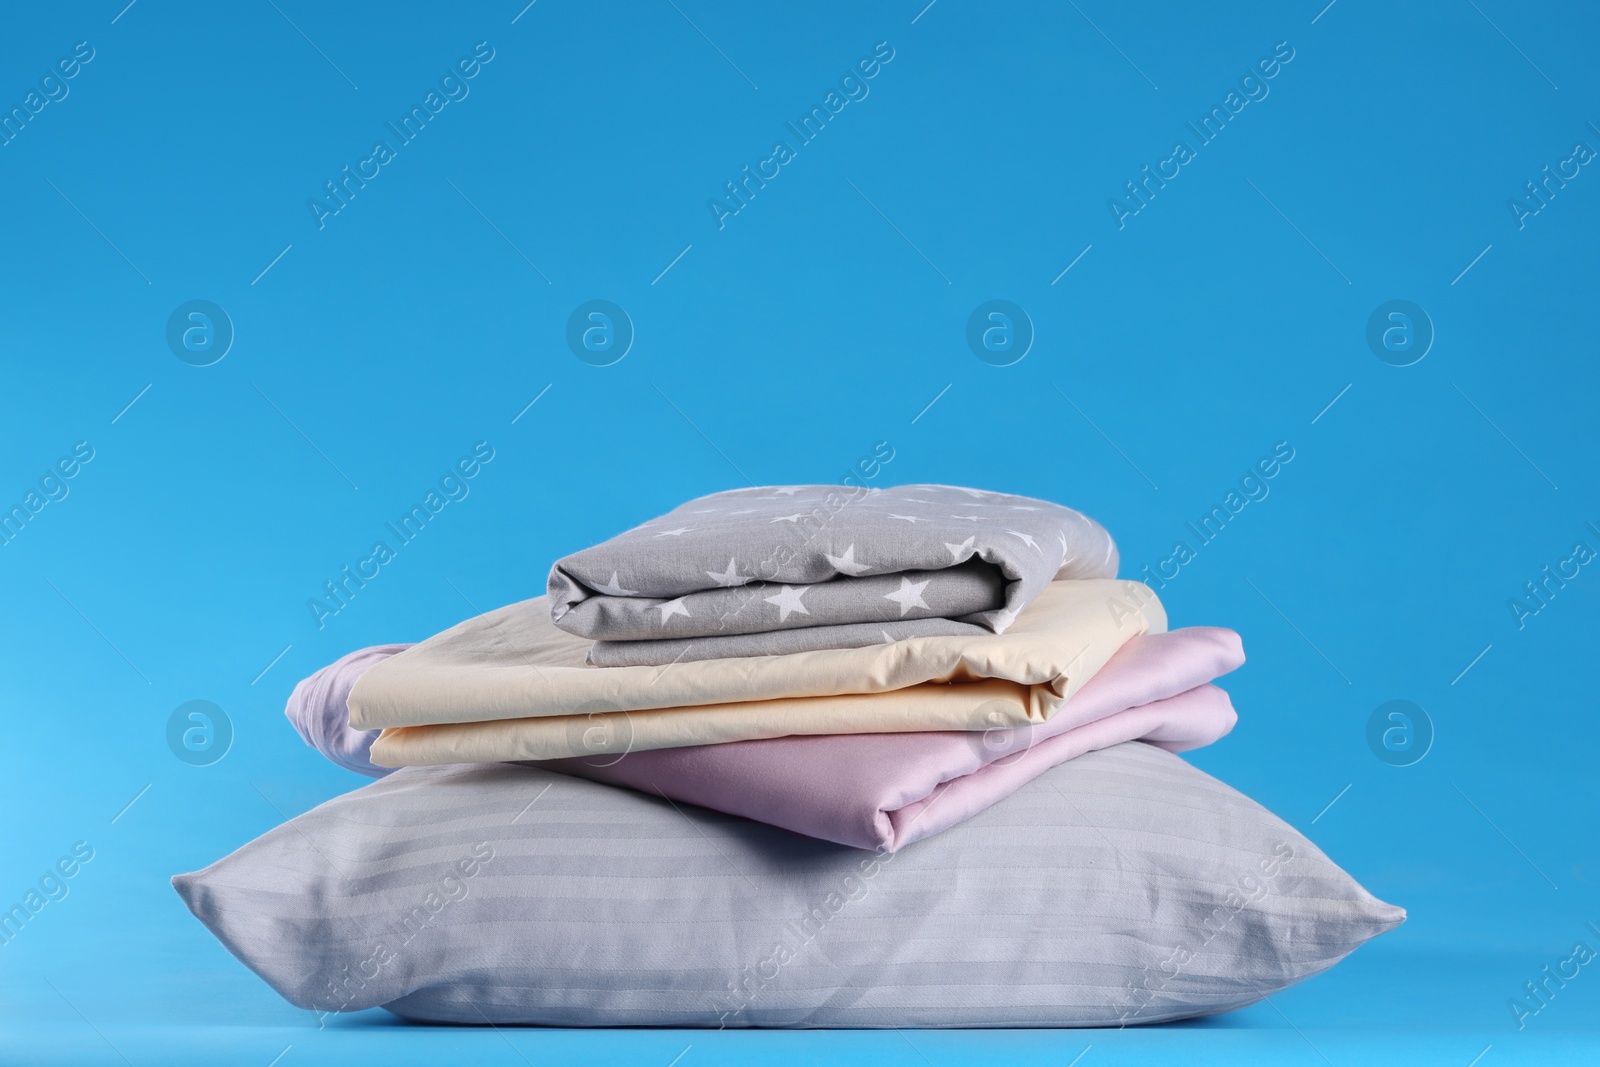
(1122, 887)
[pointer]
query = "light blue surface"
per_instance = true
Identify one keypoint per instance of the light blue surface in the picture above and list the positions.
(829, 314)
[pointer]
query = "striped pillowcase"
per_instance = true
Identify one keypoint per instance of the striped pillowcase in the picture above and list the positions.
(1123, 887)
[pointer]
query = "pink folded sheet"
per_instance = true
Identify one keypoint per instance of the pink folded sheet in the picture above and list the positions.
(876, 791)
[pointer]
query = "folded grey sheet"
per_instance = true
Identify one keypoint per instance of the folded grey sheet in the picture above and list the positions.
(781, 569)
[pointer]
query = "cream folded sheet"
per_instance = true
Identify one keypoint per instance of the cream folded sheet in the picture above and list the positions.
(509, 685)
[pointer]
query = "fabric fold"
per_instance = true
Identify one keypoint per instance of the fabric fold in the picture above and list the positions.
(883, 791)
(788, 568)
(319, 711)
(513, 664)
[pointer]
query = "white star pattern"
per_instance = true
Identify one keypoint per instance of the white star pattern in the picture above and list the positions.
(613, 589)
(1022, 507)
(909, 595)
(1027, 539)
(679, 532)
(1001, 619)
(788, 602)
(728, 578)
(671, 608)
(957, 551)
(908, 518)
(789, 518)
(846, 564)
(788, 490)
(969, 518)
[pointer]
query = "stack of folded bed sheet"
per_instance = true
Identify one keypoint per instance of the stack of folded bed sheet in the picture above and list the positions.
(887, 758)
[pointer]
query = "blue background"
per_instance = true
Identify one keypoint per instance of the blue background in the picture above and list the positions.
(821, 319)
